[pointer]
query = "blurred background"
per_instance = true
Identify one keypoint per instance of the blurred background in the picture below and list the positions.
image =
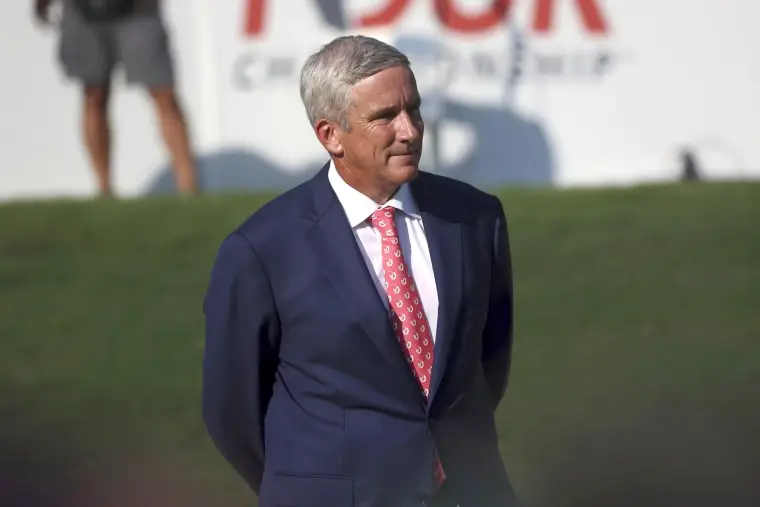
(621, 136)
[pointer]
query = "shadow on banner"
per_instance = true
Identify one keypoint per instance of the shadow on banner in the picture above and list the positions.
(507, 148)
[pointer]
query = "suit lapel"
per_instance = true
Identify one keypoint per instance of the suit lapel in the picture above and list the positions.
(334, 241)
(444, 237)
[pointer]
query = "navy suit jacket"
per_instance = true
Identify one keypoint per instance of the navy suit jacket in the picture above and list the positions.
(306, 391)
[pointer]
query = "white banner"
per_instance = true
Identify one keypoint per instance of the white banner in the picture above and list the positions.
(564, 92)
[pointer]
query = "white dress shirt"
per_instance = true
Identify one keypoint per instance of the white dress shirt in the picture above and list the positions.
(414, 246)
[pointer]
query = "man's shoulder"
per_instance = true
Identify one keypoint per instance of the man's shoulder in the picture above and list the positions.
(277, 216)
(454, 192)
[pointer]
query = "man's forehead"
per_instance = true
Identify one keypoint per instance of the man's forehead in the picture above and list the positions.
(393, 77)
(386, 89)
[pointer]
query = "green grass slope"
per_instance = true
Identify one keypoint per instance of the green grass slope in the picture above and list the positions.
(637, 323)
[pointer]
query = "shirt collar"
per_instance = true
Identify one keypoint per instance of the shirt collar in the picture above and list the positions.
(359, 207)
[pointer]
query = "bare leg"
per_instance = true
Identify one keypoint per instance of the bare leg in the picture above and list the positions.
(177, 139)
(97, 134)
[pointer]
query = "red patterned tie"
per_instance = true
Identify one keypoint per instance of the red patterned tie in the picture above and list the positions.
(407, 315)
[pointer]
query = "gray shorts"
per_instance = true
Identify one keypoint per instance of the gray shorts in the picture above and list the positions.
(89, 52)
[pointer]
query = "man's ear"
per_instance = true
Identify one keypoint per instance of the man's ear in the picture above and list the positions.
(329, 134)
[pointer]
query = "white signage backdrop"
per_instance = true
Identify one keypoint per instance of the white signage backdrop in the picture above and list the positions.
(584, 109)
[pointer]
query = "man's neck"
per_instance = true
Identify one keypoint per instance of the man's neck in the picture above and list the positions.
(372, 190)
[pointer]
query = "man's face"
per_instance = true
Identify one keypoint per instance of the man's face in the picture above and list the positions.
(384, 141)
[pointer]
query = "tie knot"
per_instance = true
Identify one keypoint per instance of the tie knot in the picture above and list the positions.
(383, 221)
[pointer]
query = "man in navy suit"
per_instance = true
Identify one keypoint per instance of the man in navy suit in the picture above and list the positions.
(359, 326)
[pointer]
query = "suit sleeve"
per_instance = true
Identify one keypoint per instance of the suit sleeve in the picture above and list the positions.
(240, 358)
(497, 336)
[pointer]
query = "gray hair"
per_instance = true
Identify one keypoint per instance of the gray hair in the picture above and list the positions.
(329, 74)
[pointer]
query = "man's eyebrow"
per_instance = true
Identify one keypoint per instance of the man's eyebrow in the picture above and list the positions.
(383, 110)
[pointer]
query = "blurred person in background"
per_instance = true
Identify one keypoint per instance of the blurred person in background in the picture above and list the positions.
(359, 326)
(95, 37)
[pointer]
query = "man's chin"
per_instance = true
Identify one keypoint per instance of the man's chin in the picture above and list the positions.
(405, 173)
(405, 164)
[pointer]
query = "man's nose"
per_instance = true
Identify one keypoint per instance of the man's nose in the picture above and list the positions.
(409, 129)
